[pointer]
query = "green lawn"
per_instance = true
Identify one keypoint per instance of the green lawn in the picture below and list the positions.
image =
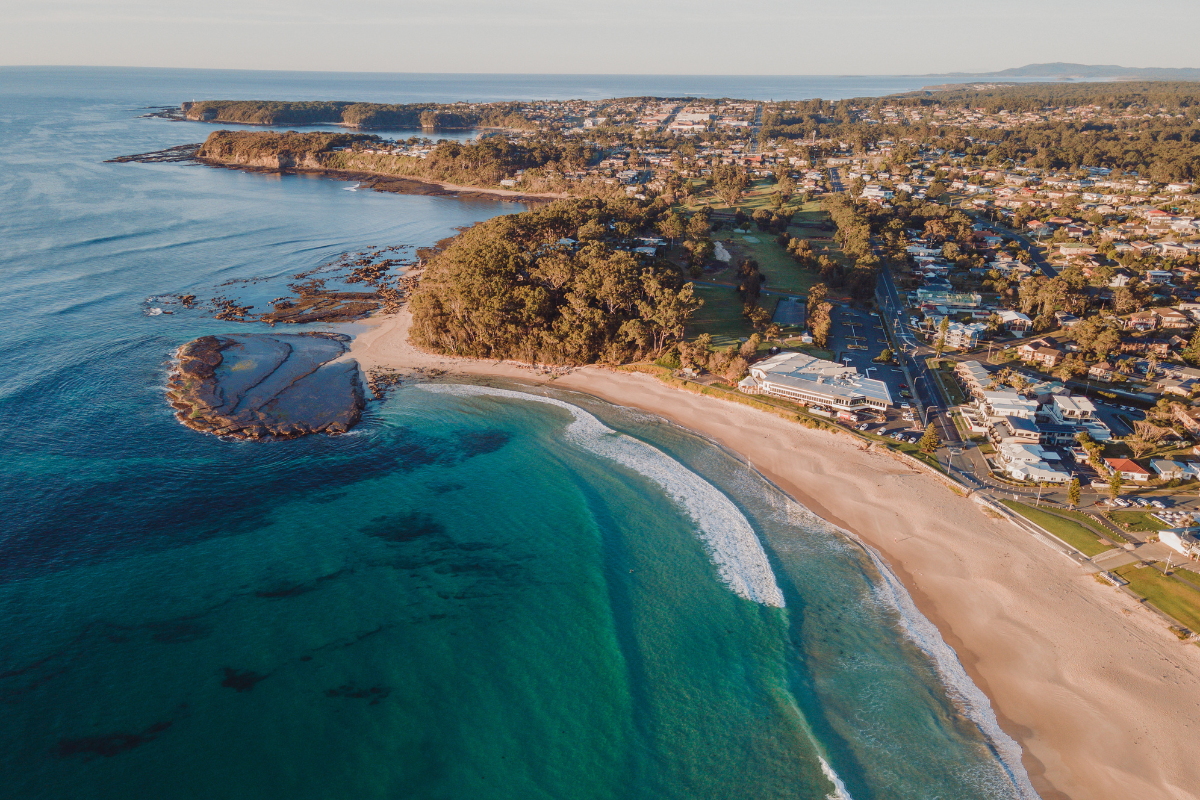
(1070, 532)
(1168, 595)
(782, 272)
(1136, 520)
(721, 316)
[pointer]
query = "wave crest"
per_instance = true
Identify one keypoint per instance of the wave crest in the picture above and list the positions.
(731, 542)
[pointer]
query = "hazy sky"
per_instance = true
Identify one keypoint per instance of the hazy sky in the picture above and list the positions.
(772, 37)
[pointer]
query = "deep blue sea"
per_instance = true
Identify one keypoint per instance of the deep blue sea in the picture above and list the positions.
(482, 592)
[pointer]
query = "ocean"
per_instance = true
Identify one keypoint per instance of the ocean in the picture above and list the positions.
(483, 591)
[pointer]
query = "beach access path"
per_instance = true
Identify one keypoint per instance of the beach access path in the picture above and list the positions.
(1104, 700)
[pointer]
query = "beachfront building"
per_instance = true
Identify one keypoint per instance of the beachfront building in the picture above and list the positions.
(1130, 470)
(1031, 462)
(995, 406)
(812, 381)
(1181, 540)
(965, 301)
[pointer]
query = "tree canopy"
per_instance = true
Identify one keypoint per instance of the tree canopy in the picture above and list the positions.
(506, 288)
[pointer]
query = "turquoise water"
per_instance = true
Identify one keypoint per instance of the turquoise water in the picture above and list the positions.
(483, 592)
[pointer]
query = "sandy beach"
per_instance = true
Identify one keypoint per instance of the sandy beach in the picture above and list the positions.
(1102, 697)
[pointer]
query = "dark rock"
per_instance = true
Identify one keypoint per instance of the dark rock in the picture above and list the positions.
(255, 386)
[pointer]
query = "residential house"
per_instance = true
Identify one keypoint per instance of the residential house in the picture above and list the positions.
(1172, 319)
(1040, 352)
(964, 336)
(1142, 321)
(1014, 321)
(1101, 372)
(1129, 469)
(1168, 469)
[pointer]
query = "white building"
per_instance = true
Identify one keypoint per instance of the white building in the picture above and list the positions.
(1030, 462)
(964, 336)
(1180, 540)
(995, 406)
(812, 381)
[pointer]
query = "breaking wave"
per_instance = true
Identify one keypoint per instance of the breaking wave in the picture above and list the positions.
(732, 544)
(963, 692)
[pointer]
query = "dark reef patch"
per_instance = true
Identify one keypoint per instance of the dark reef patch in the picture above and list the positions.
(241, 680)
(113, 744)
(255, 386)
(375, 694)
(478, 443)
(406, 526)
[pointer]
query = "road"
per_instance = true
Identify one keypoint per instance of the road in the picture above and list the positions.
(1037, 260)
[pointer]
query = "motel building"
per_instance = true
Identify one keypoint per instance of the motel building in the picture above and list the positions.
(811, 381)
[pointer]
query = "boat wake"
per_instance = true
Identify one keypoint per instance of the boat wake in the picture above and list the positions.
(732, 544)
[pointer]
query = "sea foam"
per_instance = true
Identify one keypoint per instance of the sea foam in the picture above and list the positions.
(731, 542)
(971, 701)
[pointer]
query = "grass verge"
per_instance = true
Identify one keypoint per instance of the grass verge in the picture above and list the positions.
(1069, 531)
(1174, 598)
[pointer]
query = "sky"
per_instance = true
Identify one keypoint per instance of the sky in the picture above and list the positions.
(696, 37)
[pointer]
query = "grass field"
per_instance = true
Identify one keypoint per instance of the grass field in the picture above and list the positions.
(1070, 532)
(1135, 520)
(1168, 595)
(721, 316)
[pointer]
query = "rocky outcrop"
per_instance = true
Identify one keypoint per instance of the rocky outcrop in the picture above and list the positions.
(257, 386)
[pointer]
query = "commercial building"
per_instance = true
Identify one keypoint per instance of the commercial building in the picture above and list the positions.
(812, 381)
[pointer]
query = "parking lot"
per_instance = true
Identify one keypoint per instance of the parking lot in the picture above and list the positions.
(856, 338)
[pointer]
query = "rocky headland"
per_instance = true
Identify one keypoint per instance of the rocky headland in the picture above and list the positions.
(260, 386)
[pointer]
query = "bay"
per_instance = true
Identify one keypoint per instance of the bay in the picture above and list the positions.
(462, 598)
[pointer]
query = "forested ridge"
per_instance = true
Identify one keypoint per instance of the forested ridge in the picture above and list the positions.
(359, 115)
(1150, 128)
(507, 288)
(484, 162)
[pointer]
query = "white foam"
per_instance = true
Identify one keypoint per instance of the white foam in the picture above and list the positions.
(968, 697)
(840, 792)
(732, 544)
(962, 690)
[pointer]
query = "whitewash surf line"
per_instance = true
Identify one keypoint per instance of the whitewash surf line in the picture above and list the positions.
(962, 691)
(731, 542)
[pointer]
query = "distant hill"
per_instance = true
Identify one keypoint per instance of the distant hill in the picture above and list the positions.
(1090, 72)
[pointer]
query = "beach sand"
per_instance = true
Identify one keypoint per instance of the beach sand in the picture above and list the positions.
(1103, 699)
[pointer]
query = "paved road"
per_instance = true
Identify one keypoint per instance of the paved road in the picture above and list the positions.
(1038, 261)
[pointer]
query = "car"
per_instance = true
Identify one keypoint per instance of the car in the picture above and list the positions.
(904, 405)
(1158, 504)
(904, 386)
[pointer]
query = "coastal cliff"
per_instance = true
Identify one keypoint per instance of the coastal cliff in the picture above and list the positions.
(458, 169)
(276, 151)
(364, 116)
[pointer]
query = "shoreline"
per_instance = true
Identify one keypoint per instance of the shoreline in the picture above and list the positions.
(1103, 700)
(396, 184)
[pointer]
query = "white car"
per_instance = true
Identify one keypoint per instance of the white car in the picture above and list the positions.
(1157, 503)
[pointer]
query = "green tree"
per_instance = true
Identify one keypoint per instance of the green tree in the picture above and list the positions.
(943, 327)
(672, 226)
(929, 440)
(1114, 485)
(1073, 492)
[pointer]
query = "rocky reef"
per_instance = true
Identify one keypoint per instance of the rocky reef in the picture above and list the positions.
(258, 386)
